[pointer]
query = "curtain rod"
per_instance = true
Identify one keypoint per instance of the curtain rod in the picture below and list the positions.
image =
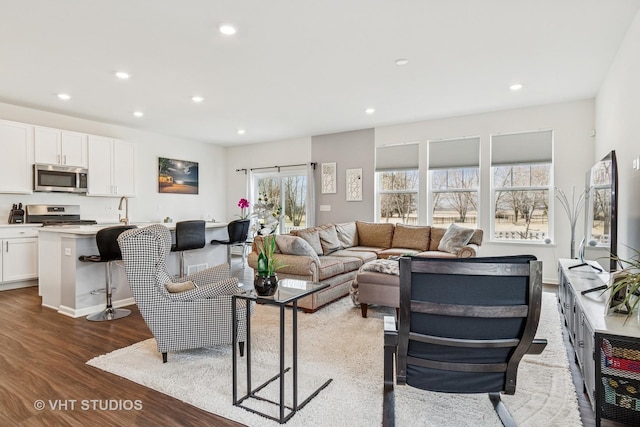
(278, 167)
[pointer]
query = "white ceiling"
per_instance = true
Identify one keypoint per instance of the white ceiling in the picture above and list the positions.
(301, 67)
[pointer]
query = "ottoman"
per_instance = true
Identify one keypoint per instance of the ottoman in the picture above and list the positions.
(378, 282)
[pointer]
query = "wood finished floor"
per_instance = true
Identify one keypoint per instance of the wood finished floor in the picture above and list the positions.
(44, 354)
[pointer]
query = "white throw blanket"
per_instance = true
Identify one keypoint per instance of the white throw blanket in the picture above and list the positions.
(384, 266)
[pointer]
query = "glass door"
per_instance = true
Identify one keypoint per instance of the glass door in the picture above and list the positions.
(287, 192)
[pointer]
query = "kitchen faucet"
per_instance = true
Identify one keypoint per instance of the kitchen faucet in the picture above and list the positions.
(126, 214)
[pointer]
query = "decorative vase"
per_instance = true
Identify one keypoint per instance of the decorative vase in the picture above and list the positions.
(265, 286)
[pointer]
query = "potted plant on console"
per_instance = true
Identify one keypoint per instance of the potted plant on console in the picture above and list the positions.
(625, 285)
(266, 280)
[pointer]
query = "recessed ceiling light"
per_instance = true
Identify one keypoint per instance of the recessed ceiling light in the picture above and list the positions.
(241, 131)
(370, 110)
(515, 87)
(138, 113)
(197, 99)
(228, 30)
(122, 75)
(64, 96)
(402, 61)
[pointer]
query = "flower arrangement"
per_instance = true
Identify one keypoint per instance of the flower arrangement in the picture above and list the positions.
(243, 204)
(267, 213)
(573, 209)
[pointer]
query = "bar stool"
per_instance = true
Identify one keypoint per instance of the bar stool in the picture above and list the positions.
(189, 235)
(107, 241)
(238, 231)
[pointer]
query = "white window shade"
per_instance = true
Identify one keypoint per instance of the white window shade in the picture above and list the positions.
(522, 148)
(454, 153)
(397, 157)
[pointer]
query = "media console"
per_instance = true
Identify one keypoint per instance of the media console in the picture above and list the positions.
(606, 347)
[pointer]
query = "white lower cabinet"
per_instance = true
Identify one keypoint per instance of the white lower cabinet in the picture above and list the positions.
(19, 254)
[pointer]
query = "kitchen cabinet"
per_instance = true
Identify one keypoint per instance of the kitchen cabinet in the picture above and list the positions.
(111, 164)
(19, 254)
(16, 173)
(60, 147)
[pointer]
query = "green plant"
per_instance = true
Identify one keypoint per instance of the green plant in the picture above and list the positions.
(625, 283)
(267, 262)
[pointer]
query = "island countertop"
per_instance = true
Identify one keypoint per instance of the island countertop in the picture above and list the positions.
(88, 230)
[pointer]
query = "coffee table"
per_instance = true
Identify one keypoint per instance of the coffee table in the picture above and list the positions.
(289, 292)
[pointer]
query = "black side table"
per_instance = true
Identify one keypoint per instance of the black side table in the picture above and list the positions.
(289, 292)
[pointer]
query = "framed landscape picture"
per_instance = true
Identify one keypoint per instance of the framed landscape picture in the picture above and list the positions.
(177, 176)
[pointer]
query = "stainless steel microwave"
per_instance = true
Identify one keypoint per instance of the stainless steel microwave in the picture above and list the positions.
(57, 178)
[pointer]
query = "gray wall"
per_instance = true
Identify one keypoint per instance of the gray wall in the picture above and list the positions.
(349, 150)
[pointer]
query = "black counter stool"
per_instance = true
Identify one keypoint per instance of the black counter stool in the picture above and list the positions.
(238, 230)
(189, 235)
(107, 241)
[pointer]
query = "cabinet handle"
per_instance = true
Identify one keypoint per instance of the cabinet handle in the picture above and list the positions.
(581, 344)
(65, 159)
(58, 158)
(7, 246)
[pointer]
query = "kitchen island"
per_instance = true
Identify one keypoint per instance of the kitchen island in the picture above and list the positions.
(69, 285)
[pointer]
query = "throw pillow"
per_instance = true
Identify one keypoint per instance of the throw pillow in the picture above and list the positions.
(224, 287)
(455, 238)
(411, 237)
(329, 240)
(375, 235)
(294, 245)
(180, 287)
(347, 234)
(313, 238)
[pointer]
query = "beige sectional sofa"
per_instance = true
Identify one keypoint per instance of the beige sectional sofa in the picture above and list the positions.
(333, 253)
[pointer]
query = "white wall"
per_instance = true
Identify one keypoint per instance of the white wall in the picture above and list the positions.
(276, 153)
(148, 205)
(572, 123)
(618, 128)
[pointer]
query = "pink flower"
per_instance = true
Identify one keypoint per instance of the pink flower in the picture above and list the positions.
(243, 203)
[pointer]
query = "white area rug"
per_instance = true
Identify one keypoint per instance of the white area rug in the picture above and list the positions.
(336, 342)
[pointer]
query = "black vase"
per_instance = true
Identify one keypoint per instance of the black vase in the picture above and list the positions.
(265, 286)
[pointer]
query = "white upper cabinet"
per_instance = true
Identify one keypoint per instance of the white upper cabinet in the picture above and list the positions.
(111, 167)
(60, 147)
(16, 173)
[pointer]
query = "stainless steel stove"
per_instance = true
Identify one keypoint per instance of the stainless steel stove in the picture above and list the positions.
(55, 215)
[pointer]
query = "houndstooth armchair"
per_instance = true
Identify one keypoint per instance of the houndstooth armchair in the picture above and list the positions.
(194, 318)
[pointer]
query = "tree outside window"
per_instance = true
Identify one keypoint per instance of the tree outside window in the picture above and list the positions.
(454, 195)
(521, 201)
(398, 196)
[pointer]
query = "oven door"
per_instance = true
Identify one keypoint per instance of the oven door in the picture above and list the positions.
(53, 178)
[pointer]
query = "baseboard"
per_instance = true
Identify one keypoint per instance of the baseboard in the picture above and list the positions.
(71, 312)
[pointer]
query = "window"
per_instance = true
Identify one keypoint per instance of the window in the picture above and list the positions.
(398, 196)
(397, 182)
(522, 180)
(288, 192)
(454, 179)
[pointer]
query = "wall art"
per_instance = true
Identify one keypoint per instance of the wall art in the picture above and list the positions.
(177, 176)
(329, 178)
(354, 185)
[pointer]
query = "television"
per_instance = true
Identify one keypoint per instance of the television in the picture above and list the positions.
(601, 213)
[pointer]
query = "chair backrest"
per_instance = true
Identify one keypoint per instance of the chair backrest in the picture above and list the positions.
(238, 230)
(107, 241)
(189, 235)
(466, 323)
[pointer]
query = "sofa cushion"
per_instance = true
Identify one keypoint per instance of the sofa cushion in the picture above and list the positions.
(436, 236)
(455, 238)
(396, 252)
(372, 234)
(476, 238)
(313, 238)
(435, 254)
(347, 234)
(329, 267)
(329, 240)
(364, 256)
(411, 237)
(294, 245)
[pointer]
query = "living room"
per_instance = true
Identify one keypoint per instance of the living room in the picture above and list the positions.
(586, 127)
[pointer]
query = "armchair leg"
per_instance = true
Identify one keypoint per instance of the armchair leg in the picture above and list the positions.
(164, 357)
(363, 309)
(502, 411)
(241, 348)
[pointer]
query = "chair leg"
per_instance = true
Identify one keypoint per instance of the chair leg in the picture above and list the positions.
(164, 357)
(109, 313)
(241, 348)
(502, 411)
(363, 309)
